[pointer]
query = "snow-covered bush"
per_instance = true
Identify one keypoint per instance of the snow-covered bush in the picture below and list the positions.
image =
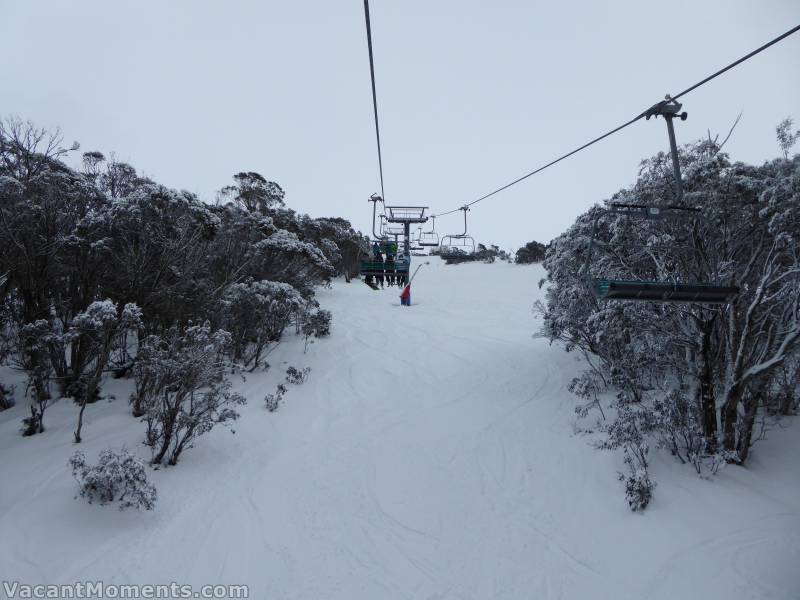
(638, 489)
(273, 401)
(340, 243)
(587, 386)
(783, 396)
(73, 238)
(146, 375)
(316, 324)
(37, 342)
(93, 336)
(297, 376)
(256, 313)
(119, 477)
(283, 256)
(628, 432)
(677, 424)
(6, 396)
(182, 389)
(701, 380)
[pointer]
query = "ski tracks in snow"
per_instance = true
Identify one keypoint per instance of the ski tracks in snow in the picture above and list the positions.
(428, 456)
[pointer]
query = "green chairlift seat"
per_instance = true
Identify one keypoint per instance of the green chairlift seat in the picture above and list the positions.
(659, 291)
(376, 268)
(653, 291)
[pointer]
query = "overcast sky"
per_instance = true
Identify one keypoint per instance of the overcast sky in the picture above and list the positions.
(472, 94)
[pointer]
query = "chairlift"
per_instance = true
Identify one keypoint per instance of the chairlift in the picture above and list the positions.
(429, 238)
(607, 288)
(395, 224)
(415, 246)
(652, 290)
(457, 245)
(393, 231)
(406, 214)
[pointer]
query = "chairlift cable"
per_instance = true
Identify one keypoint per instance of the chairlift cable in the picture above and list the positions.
(374, 94)
(738, 62)
(632, 121)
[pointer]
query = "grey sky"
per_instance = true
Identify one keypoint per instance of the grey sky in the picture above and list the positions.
(472, 94)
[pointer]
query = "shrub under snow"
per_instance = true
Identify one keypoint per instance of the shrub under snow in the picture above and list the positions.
(273, 401)
(296, 376)
(181, 389)
(119, 477)
(6, 397)
(316, 324)
(256, 314)
(638, 489)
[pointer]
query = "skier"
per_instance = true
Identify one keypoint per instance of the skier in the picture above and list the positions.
(377, 257)
(390, 268)
(405, 297)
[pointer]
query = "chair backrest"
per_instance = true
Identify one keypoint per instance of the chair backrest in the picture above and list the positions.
(428, 238)
(457, 244)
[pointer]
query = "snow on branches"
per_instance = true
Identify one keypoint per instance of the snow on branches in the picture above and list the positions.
(181, 388)
(700, 376)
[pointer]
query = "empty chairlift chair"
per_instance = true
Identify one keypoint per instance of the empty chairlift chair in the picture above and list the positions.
(613, 288)
(429, 238)
(457, 245)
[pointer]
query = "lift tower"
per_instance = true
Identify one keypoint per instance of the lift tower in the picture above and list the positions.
(406, 216)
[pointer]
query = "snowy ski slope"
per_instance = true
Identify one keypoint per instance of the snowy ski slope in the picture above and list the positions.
(430, 455)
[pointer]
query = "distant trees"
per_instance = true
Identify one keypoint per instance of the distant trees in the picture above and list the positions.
(253, 193)
(489, 254)
(532, 252)
(98, 261)
(703, 380)
(483, 253)
(786, 138)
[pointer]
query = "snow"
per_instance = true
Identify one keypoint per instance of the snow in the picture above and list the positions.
(429, 455)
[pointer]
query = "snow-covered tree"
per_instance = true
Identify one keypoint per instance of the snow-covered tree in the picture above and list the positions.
(256, 314)
(532, 252)
(97, 332)
(181, 376)
(253, 193)
(705, 373)
(317, 324)
(786, 137)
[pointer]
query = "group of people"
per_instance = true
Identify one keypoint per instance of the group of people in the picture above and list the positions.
(393, 270)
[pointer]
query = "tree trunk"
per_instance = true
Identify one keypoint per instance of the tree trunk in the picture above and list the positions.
(168, 428)
(92, 386)
(705, 390)
(745, 440)
(77, 433)
(729, 416)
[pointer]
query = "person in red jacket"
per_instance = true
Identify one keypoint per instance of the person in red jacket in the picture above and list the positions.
(405, 297)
